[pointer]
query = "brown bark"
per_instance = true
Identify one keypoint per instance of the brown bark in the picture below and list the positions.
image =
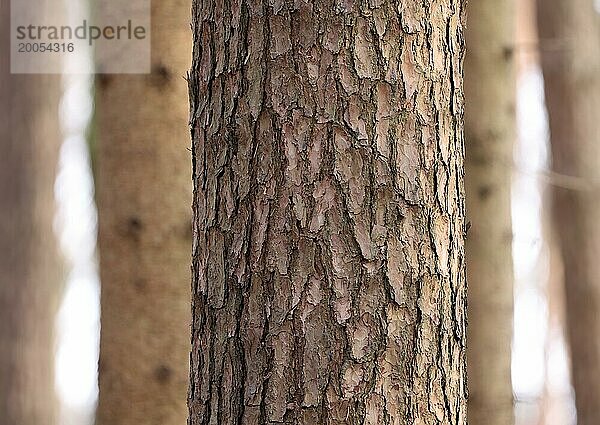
(29, 268)
(144, 193)
(569, 34)
(489, 137)
(328, 261)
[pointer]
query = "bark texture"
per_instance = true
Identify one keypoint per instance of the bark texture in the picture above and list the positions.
(328, 260)
(489, 136)
(144, 197)
(29, 268)
(569, 36)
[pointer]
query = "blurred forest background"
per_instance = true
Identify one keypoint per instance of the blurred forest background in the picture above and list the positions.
(48, 202)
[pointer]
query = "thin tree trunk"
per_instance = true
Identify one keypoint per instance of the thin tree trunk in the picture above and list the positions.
(489, 136)
(29, 267)
(328, 263)
(569, 34)
(144, 193)
(526, 49)
(554, 405)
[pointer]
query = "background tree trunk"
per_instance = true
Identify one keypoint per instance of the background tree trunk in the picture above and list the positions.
(328, 263)
(144, 194)
(569, 34)
(489, 135)
(29, 267)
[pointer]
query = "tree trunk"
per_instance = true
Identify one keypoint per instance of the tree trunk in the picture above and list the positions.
(328, 261)
(144, 194)
(29, 267)
(489, 135)
(569, 34)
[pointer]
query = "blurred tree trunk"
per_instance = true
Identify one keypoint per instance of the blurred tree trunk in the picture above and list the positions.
(569, 36)
(29, 263)
(328, 263)
(526, 37)
(144, 198)
(489, 136)
(554, 404)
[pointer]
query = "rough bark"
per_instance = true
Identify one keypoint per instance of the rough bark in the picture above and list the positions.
(328, 260)
(144, 196)
(29, 267)
(569, 36)
(489, 136)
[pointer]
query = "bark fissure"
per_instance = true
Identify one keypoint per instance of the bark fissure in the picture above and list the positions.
(330, 182)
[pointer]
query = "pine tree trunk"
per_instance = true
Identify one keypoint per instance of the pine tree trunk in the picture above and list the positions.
(144, 194)
(328, 262)
(569, 34)
(29, 268)
(489, 135)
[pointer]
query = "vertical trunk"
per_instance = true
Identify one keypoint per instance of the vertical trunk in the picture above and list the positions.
(144, 193)
(489, 135)
(554, 405)
(569, 34)
(328, 262)
(526, 50)
(29, 268)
